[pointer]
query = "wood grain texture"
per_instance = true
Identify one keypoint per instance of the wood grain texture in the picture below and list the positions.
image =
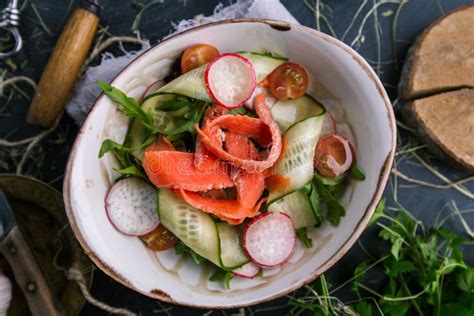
(442, 57)
(29, 276)
(446, 123)
(63, 68)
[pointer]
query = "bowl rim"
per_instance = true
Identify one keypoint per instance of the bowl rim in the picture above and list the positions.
(384, 173)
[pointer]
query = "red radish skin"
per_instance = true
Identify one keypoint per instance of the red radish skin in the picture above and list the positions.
(210, 74)
(154, 86)
(247, 271)
(130, 206)
(270, 239)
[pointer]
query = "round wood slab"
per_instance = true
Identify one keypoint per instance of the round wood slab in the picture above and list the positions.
(39, 210)
(438, 78)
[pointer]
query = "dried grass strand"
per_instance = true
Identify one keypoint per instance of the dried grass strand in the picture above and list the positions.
(100, 47)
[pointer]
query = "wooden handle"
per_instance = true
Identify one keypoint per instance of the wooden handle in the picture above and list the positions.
(28, 275)
(62, 70)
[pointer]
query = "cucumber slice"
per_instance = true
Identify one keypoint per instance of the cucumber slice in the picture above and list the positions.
(296, 160)
(288, 112)
(232, 252)
(263, 64)
(190, 84)
(298, 207)
(194, 228)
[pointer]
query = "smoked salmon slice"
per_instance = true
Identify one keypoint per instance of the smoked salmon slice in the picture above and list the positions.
(173, 169)
(240, 146)
(263, 130)
(249, 187)
(202, 154)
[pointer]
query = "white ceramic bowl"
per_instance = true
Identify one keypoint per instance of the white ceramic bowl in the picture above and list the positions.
(341, 78)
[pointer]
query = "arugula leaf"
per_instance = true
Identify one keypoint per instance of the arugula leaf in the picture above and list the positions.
(302, 235)
(356, 173)
(334, 209)
(127, 105)
(181, 248)
(315, 201)
(218, 276)
(131, 170)
(222, 276)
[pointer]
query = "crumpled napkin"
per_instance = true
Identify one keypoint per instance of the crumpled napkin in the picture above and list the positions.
(87, 91)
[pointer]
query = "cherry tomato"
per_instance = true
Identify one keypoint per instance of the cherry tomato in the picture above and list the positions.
(159, 239)
(197, 55)
(333, 156)
(288, 81)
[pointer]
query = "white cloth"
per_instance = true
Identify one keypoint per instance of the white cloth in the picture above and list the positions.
(87, 91)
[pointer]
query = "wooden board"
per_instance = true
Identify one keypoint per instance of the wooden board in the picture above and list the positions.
(39, 211)
(442, 57)
(446, 123)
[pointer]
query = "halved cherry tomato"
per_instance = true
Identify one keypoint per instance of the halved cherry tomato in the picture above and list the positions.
(288, 81)
(333, 156)
(159, 239)
(197, 55)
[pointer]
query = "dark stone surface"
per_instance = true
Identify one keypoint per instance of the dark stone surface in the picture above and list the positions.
(48, 161)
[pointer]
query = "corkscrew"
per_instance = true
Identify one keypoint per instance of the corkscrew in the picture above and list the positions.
(10, 21)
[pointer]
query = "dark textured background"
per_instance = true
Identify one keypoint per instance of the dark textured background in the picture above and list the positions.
(48, 160)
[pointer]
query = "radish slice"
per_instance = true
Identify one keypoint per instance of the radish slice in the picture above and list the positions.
(131, 207)
(247, 271)
(230, 80)
(270, 239)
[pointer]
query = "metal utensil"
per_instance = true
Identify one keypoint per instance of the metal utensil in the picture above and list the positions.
(10, 20)
(28, 275)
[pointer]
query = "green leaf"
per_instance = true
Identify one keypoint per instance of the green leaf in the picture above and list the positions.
(406, 221)
(356, 173)
(363, 308)
(379, 211)
(181, 248)
(302, 235)
(330, 181)
(109, 145)
(395, 249)
(131, 170)
(315, 200)
(127, 105)
(359, 274)
(218, 276)
(465, 280)
(222, 276)
(455, 309)
(394, 268)
(428, 249)
(335, 209)
(228, 277)
(398, 308)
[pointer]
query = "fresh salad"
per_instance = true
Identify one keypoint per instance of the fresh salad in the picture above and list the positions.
(228, 160)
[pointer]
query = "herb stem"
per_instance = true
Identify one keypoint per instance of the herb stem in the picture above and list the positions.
(415, 304)
(393, 299)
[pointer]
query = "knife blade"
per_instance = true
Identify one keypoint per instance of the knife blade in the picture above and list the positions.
(26, 270)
